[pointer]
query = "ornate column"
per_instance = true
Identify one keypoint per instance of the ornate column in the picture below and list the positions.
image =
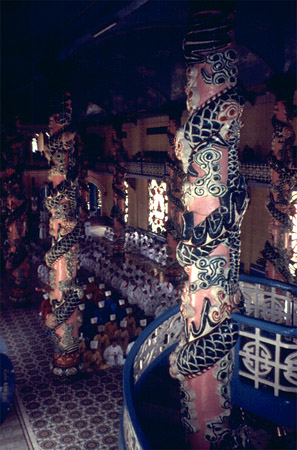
(119, 195)
(278, 249)
(16, 253)
(175, 204)
(215, 199)
(65, 229)
(83, 189)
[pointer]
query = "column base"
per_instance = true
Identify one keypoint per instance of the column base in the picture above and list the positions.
(66, 365)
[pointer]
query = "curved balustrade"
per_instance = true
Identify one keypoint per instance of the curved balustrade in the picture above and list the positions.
(158, 340)
(264, 379)
(269, 300)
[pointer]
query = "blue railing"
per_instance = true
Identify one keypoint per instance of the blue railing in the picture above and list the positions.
(131, 435)
(268, 282)
(264, 375)
(159, 339)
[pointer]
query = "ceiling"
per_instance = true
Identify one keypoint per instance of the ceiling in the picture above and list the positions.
(120, 58)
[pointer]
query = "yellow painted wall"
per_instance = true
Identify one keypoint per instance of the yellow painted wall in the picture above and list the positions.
(138, 204)
(257, 128)
(107, 198)
(137, 139)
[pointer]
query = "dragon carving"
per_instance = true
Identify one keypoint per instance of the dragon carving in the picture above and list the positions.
(215, 200)
(16, 246)
(278, 249)
(66, 230)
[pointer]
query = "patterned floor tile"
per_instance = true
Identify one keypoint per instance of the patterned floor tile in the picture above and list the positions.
(64, 414)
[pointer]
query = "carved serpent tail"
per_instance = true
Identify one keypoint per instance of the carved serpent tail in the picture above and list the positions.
(64, 245)
(215, 200)
(70, 301)
(195, 358)
(278, 249)
(66, 230)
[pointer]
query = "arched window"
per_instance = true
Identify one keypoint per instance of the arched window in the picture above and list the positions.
(158, 206)
(95, 199)
(34, 144)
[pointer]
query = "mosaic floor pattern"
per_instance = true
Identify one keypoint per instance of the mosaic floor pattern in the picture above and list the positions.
(64, 414)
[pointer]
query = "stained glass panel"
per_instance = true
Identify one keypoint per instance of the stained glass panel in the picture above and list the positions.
(126, 202)
(158, 206)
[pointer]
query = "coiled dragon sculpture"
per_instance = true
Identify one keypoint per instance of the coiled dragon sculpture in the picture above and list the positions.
(65, 229)
(215, 200)
(175, 204)
(119, 195)
(16, 246)
(278, 250)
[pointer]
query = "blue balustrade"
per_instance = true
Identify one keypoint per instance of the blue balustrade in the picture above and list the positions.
(261, 383)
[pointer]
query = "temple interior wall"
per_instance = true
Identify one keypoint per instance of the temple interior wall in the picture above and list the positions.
(255, 133)
(257, 128)
(138, 201)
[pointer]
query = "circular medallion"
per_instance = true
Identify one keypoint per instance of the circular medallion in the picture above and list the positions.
(91, 445)
(48, 444)
(103, 429)
(39, 424)
(96, 390)
(109, 440)
(52, 410)
(81, 394)
(70, 405)
(85, 434)
(86, 402)
(113, 415)
(57, 419)
(97, 419)
(36, 414)
(112, 387)
(33, 405)
(80, 424)
(91, 410)
(67, 439)
(45, 393)
(107, 406)
(102, 398)
(75, 414)
(43, 434)
(62, 429)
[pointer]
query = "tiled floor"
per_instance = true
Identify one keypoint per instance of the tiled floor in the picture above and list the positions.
(58, 413)
(63, 414)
